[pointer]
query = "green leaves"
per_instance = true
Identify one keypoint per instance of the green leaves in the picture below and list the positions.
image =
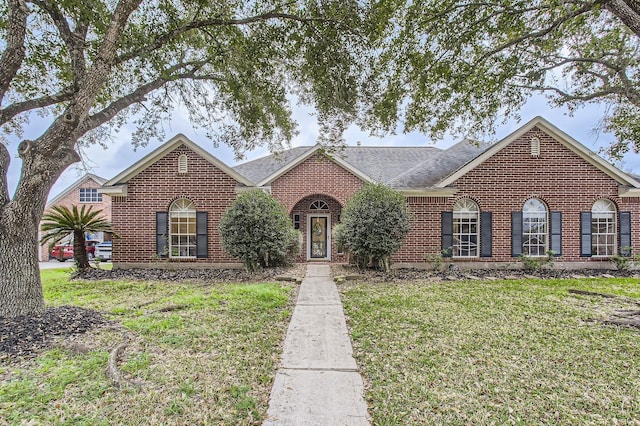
(257, 230)
(374, 222)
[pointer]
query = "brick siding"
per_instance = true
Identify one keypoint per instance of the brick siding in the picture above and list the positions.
(154, 189)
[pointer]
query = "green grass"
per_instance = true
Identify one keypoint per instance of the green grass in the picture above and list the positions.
(204, 354)
(508, 352)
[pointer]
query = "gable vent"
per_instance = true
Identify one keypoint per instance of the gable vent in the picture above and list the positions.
(535, 147)
(182, 163)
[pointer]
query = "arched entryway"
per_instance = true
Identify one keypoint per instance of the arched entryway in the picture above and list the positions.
(315, 216)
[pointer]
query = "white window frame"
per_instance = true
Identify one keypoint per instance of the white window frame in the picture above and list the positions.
(89, 195)
(319, 205)
(466, 229)
(604, 215)
(182, 242)
(535, 228)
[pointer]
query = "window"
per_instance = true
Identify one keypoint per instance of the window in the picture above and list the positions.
(534, 228)
(296, 221)
(465, 228)
(182, 163)
(319, 205)
(603, 228)
(182, 229)
(90, 195)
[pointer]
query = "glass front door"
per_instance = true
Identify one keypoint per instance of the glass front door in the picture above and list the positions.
(319, 240)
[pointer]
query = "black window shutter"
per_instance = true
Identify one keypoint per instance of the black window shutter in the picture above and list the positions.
(585, 234)
(162, 228)
(202, 245)
(486, 234)
(516, 234)
(625, 233)
(556, 233)
(447, 233)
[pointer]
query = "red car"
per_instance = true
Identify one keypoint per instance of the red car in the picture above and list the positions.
(62, 253)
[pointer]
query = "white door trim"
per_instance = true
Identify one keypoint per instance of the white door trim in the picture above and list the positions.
(310, 217)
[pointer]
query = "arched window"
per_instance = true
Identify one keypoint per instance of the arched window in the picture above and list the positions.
(535, 228)
(182, 163)
(182, 228)
(466, 217)
(603, 228)
(319, 205)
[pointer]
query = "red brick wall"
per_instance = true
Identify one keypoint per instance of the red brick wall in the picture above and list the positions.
(154, 189)
(317, 178)
(315, 175)
(501, 185)
(73, 199)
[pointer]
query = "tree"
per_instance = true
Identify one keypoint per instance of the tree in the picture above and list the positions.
(462, 65)
(90, 66)
(374, 222)
(62, 221)
(257, 230)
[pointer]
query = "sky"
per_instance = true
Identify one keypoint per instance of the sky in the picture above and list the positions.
(121, 154)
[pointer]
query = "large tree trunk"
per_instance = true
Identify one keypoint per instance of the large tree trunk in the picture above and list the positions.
(20, 286)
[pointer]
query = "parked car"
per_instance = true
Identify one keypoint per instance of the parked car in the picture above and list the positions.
(65, 252)
(103, 251)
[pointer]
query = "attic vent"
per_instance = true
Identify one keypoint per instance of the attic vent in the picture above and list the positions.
(535, 147)
(182, 163)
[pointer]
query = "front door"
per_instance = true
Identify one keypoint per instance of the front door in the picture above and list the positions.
(319, 246)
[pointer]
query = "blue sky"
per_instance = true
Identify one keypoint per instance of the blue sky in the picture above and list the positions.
(121, 154)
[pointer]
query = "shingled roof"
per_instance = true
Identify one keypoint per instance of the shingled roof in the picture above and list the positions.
(399, 167)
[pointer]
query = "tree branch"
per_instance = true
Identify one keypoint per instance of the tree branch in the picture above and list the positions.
(628, 11)
(163, 39)
(5, 159)
(15, 51)
(74, 40)
(14, 109)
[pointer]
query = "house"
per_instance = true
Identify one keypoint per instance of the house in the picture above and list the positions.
(535, 191)
(84, 191)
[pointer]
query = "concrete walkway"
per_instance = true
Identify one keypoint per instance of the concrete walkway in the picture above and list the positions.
(318, 382)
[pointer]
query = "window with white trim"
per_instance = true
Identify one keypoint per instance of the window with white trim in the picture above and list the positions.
(319, 205)
(466, 218)
(603, 228)
(182, 228)
(90, 195)
(296, 221)
(535, 228)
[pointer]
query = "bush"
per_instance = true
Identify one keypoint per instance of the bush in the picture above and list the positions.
(257, 230)
(374, 222)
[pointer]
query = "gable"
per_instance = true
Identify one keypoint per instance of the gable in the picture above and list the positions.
(316, 175)
(117, 186)
(518, 144)
(89, 181)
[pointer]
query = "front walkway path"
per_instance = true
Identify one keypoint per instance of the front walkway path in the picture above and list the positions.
(318, 382)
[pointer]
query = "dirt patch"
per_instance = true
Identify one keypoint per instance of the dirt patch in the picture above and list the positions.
(204, 275)
(451, 274)
(25, 336)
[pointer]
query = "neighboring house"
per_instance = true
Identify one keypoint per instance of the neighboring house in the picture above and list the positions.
(82, 192)
(484, 205)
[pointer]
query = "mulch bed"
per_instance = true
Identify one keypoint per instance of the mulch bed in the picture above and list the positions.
(25, 336)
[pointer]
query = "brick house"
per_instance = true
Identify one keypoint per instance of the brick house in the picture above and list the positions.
(484, 205)
(84, 191)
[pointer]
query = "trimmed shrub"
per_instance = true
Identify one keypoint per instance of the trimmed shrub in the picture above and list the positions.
(374, 222)
(257, 230)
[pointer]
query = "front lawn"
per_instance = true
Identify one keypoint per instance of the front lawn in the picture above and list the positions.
(195, 354)
(502, 352)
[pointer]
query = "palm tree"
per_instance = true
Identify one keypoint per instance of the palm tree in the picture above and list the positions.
(63, 221)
